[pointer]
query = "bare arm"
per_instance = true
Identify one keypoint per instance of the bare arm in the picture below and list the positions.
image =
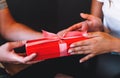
(12, 30)
(96, 8)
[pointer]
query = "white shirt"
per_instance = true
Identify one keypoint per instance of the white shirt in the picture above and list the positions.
(111, 11)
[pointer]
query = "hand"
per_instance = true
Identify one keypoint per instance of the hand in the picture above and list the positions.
(61, 33)
(8, 55)
(91, 23)
(98, 43)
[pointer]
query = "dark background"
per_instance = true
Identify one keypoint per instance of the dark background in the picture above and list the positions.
(53, 16)
(50, 15)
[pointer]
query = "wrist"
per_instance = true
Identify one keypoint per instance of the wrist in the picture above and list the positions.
(116, 45)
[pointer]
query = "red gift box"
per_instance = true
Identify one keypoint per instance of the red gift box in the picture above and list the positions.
(52, 46)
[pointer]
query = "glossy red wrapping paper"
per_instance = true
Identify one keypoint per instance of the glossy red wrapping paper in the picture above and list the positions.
(52, 46)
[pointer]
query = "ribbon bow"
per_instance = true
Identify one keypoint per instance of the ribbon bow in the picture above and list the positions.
(51, 37)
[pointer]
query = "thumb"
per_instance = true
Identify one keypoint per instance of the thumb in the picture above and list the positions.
(85, 16)
(17, 44)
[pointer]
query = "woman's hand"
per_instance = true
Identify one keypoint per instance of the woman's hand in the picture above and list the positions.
(8, 55)
(92, 23)
(98, 43)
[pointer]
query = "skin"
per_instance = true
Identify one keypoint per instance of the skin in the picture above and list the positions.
(7, 50)
(92, 23)
(17, 34)
(14, 31)
(96, 9)
(98, 41)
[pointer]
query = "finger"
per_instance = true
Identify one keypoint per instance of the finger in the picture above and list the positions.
(80, 43)
(86, 16)
(84, 52)
(18, 59)
(79, 49)
(75, 27)
(80, 52)
(61, 33)
(93, 34)
(33, 62)
(29, 58)
(87, 57)
(12, 45)
(23, 60)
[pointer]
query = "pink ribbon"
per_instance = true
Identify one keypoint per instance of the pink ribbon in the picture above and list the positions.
(50, 37)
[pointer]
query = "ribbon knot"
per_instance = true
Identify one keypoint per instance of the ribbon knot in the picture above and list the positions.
(68, 35)
(62, 41)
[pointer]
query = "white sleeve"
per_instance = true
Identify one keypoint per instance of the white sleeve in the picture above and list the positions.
(100, 0)
(3, 4)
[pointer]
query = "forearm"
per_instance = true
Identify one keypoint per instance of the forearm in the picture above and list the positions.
(12, 30)
(19, 31)
(96, 9)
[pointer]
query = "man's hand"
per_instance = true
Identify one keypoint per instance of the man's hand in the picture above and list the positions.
(8, 55)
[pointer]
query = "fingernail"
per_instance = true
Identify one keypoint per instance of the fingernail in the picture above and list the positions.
(81, 13)
(85, 34)
(71, 45)
(70, 51)
(81, 61)
(34, 54)
(24, 41)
